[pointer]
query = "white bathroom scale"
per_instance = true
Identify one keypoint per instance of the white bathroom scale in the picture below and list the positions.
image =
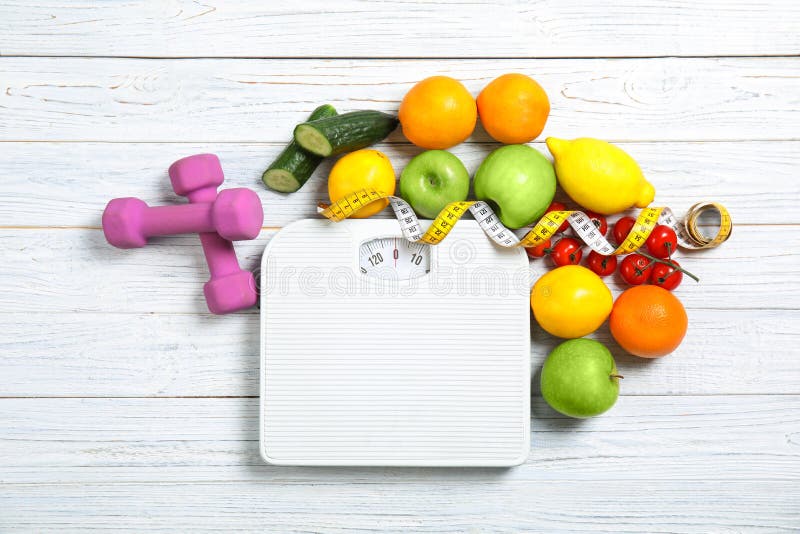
(379, 351)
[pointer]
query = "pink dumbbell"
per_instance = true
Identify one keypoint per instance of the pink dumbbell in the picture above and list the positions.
(235, 214)
(230, 287)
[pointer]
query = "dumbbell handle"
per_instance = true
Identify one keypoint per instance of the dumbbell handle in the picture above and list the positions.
(202, 195)
(219, 252)
(220, 255)
(182, 219)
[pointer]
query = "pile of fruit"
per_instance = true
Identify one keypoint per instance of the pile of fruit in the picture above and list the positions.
(655, 266)
(579, 377)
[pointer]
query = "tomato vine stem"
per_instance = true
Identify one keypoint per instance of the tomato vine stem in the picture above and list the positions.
(666, 262)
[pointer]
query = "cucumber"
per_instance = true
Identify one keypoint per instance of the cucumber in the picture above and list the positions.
(294, 166)
(344, 133)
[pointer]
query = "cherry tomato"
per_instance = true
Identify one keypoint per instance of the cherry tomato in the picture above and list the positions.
(567, 252)
(635, 269)
(666, 276)
(601, 265)
(598, 220)
(539, 250)
(558, 206)
(622, 228)
(662, 242)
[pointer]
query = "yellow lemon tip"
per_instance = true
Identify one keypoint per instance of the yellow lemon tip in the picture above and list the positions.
(646, 195)
(556, 145)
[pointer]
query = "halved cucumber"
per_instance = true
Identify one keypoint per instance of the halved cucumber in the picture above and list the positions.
(344, 133)
(294, 166)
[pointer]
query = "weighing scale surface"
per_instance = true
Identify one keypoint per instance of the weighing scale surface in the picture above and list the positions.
(426, 366)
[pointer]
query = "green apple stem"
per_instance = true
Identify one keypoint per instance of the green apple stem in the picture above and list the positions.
(616, 376)
(666, 262)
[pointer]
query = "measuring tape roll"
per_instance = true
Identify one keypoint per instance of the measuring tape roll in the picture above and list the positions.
(694, 233)
(689, 235)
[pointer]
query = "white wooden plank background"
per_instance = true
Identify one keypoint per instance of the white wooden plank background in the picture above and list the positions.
(124, 405)
(194, 462)
(362, 28)
(215, 100)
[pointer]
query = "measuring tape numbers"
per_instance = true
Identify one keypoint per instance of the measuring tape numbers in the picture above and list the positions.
(689, 235)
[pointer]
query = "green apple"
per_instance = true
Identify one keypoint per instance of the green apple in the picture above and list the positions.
(580, 378)
(518, 182)
(432, 180)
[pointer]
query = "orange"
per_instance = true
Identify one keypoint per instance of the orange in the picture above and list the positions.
(362, 169)
(438, 113)
(648, 321)
(513, 108)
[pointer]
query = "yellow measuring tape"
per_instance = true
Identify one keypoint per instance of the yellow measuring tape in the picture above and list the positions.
(689, 235)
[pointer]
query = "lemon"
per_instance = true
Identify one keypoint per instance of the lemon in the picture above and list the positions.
(599, 176)
(570, 301)
(362, 169)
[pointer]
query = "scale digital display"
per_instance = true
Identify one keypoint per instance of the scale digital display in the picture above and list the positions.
(394, 258)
